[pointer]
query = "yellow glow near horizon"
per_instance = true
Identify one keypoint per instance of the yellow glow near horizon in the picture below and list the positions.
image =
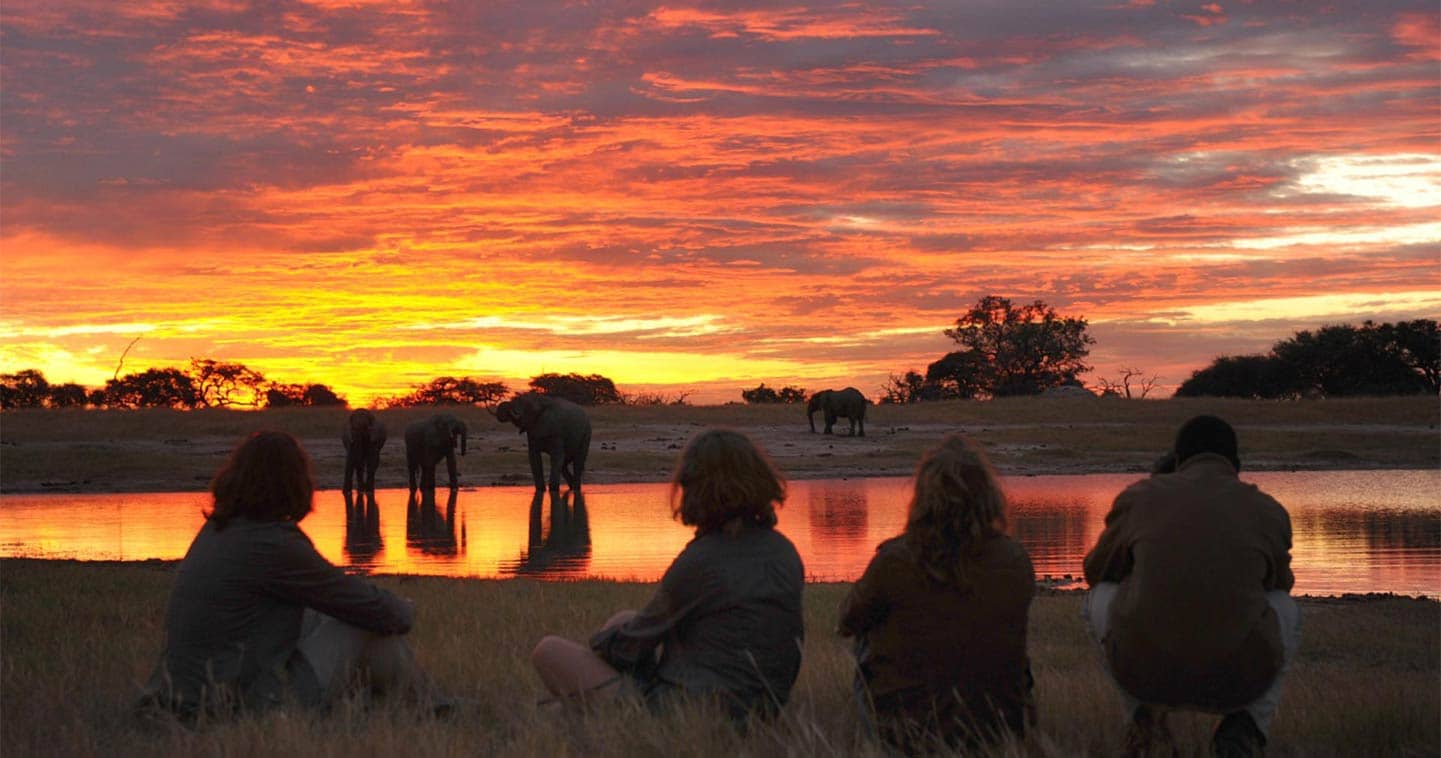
(1313, 307)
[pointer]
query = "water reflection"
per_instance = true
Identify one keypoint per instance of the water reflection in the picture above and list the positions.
(362, 528)
(1053, 531)
(839, 513)
(1357, 531)
(563, 550)
(427, 529)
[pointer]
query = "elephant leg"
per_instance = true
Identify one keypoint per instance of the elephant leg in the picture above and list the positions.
(537, 469)
(349, 472)
(427, 478)
(450, 469)
(371, 467)
(410, 469)
(861, 424)
(572, 476)
(830, 422)
(557, 466)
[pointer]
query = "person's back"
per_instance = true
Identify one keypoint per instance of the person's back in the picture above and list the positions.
(726, 623)
(743, 588)
(235, 611)
(1188, 598)
(256, 614)
(940, 613)
(1205, 548)
(937, 639)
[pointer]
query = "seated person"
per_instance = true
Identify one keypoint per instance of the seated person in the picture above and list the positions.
(726, 622)
(257, 616)
(1188, 597)
(939, 615)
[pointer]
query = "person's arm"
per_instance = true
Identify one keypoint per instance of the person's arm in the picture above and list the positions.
(868, 602)
(1279, 576)
(1110, 560)
(297, 574)
(631, 646)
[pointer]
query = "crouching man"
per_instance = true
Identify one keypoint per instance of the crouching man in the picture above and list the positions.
(1189, 595)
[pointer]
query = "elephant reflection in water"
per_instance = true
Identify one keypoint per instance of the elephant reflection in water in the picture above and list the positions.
(565, 549)
(429, 530)
(362, 528)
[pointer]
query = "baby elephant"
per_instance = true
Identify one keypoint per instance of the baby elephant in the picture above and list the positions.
(363, 438)
(556, 427)
(426, 443)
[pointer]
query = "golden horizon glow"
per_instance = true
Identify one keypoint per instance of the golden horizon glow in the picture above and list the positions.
(701, 198)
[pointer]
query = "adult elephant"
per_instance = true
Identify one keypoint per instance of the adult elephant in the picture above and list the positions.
(848, 403)
(553, 426)
(429, 440)
(363, 438)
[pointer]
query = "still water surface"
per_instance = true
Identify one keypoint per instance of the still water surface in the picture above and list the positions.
(1355, 531)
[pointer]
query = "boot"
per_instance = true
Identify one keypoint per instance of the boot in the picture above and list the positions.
(1149, 734)
(1238, 737)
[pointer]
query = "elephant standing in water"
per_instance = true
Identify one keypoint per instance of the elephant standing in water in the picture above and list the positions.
(555, 427)
(363, 438)
(848, 403)
(426, 442)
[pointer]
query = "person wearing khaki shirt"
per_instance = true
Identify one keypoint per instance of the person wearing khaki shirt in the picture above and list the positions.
(1189, 598)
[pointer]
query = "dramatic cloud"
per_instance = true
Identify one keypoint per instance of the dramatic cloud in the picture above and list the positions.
(705, 195)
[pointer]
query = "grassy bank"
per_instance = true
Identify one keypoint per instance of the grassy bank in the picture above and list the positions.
(79, 638)
(165, 450)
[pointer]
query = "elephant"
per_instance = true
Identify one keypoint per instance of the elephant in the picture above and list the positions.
(363, 438)
(848, 403)
(426, 442)
(554, 426)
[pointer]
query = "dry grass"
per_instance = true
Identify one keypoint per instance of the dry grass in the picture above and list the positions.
(165, 450)
(78, 638)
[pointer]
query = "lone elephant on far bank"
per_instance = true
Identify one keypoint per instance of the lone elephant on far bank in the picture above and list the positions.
(363, 438)
(553, 426)
(848, 403)
(429, 440)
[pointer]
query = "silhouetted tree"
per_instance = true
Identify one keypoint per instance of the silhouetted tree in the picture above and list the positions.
(1332, 361)
(68, 395)
(1418, 344)
(764, 394)
(284, 395)
(910, 387)
(961, 374)
(656, 398)
(1133, 383)
(225, 384)
(448, 390)
(581, 390)
(153, 388)
(24, 389)
(1007, 350)
(320, 394)
(792, 394)
(1253, 376)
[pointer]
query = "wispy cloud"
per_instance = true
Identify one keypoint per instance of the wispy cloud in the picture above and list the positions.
(373, 193)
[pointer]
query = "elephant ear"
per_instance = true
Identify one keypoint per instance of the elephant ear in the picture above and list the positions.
(503, 411)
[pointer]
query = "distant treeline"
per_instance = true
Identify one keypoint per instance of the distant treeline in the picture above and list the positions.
(1373, 359)
(1004, 350)
(216, 384)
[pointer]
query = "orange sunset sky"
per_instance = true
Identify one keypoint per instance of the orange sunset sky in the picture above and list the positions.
(705, 196)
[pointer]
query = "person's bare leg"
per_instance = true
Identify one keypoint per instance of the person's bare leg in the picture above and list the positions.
(568, 668)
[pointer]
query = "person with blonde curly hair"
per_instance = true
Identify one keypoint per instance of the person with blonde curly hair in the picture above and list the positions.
(939, 616)
(725, 625)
